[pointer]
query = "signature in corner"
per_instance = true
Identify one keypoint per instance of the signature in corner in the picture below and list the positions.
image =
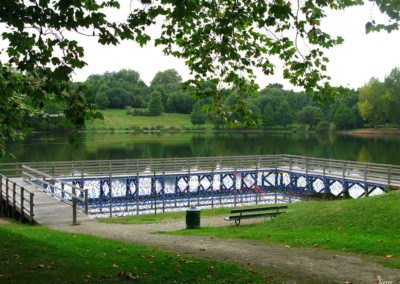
(380, 281)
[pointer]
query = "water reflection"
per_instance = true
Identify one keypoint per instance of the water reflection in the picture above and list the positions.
(90, 146)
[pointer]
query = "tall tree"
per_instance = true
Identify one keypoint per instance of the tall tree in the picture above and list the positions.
(268, 116)
(155, 105)
(344, 117)
(310, 115)
(102, 100)
(374, 102)
(392, 85)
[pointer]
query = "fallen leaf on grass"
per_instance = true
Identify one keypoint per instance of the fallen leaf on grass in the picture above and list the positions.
(131, 276)
(114, 265)
(203, 249)
(178, 271)
(121, 273)
(150, 256)
(346, 235)
(389, 256)
(88, 277)
(41, 266)
(210, 267)
(139, 253)
(154, 270)
(380, 241)
(74, 236)
(287, 246)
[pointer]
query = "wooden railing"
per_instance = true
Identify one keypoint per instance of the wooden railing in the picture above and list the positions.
(14, 199)
(368, 172)
(69, 193)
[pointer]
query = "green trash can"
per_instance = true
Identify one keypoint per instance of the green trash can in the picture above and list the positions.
(193, 218)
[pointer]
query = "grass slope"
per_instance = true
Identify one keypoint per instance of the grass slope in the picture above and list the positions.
(117, 119)
(168, 216)
(369, 226)
(35, 254)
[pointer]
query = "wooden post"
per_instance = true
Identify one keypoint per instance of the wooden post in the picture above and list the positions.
(73, 205)
(1, 195)
(212, 183)
(14, 200)
(154, 186)
(7, 203)
(86, 201)
(62, 191)
(31, 208)
(22, 204)
(110, 189)
(163, 185)
(52, 185)
(234, 183)
(344, 171)
(306, 165)
(389, 172)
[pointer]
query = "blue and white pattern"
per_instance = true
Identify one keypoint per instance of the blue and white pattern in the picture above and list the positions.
(171, 192)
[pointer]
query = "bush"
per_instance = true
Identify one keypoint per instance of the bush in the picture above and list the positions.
(323, 126)
(140, 112)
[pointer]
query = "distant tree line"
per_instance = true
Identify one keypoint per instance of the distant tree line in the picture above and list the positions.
(376, 103)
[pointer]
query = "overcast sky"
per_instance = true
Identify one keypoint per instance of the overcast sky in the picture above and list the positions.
(352, 64)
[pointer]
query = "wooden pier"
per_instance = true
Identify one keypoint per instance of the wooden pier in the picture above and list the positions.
(37, 205)
(43, 192)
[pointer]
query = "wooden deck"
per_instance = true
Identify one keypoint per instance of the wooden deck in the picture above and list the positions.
(50, 211)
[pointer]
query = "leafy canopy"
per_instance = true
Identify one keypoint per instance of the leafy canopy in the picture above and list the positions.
(222, 42)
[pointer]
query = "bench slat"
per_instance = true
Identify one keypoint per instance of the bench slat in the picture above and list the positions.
(259, 209)
(249, 216)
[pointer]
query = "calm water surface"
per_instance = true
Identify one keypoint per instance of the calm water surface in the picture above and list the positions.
(92, 146)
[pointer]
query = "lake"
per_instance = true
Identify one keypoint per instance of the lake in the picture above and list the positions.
(122, 145)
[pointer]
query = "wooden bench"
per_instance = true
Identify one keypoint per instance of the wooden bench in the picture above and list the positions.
(237, 218)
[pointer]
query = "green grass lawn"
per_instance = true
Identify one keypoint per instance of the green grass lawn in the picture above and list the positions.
(369, 226)
(117, 119)
(36, 254)
(168, 216)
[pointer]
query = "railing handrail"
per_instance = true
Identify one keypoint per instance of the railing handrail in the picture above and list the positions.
(74, 197)
(116, 167)
(9, 191)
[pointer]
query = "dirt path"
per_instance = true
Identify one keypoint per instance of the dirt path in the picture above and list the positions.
(304, 265)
